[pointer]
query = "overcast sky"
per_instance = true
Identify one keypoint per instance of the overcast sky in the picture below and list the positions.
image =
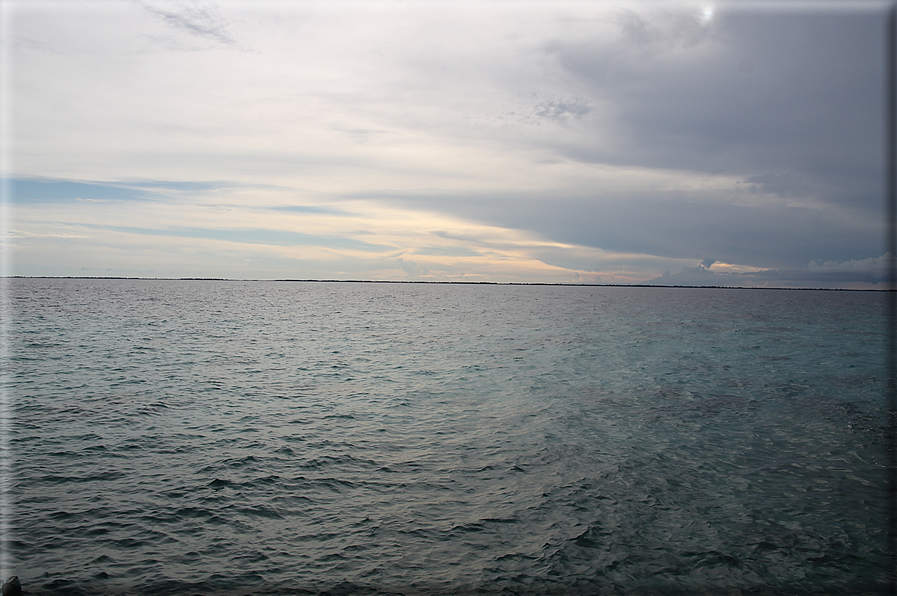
(611, 142)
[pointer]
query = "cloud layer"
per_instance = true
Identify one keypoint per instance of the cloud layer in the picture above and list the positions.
(560, 142)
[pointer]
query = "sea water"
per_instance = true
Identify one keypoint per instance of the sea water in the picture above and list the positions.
(223, 437)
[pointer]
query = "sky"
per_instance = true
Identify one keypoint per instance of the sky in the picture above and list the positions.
(695, 143)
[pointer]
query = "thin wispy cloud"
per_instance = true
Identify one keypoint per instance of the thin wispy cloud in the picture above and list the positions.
(204, 21)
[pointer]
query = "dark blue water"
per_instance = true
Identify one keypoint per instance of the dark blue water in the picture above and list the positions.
(213, 437)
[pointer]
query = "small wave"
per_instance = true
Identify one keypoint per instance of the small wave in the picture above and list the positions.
(101, 477)
(262, 511)
(500, 520)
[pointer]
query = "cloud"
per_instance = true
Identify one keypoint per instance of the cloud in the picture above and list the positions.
(550, 143)
(863, 273)
(798, 111)
(873, 270)
(785, 184)
(21, 234)
(691, 276)
(562, 110)
(687, 223)
(411, 268)
(202, 21)
(662, 30)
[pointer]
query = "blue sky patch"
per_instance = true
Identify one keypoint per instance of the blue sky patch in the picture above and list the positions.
(66, 191)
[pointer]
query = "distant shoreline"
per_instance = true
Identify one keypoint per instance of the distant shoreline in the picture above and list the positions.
(469, 283)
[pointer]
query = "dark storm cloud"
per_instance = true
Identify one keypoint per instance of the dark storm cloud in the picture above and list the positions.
(684, 225)
(776, 95)
(789, 106)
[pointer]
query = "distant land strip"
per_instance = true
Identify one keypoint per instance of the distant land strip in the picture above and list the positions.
(421, 281)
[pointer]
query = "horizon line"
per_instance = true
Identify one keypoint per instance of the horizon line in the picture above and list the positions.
(445, 282)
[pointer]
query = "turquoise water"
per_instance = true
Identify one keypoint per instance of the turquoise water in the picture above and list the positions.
(221, 437)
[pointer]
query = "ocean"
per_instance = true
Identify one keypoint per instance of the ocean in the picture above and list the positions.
(201, 437)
